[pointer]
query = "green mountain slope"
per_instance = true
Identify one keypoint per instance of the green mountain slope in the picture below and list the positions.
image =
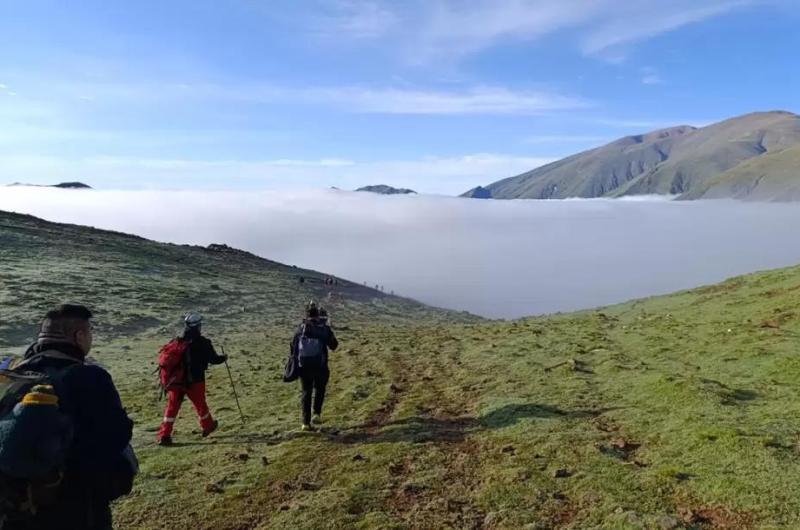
(717, 148)
(139, 286)
(682, 160)
(671, 412)
(592, 173)
(772, 177)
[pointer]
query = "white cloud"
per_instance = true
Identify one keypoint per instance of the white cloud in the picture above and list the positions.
(497, 258)
(650, 124)
(641, 20)
(445, 175)
(356, 99)
(486, 100)
(7, 90)
(651, 77)
(563, 139)
(431, 30)
(359, 19)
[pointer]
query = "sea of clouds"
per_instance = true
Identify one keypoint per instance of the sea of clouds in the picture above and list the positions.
(500, 259)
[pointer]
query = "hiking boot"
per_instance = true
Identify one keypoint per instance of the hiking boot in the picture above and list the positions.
(307, 427)
(164, 441)
(316, 419)
(212, 429)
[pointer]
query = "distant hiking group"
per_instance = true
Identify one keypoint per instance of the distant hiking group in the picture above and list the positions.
(65, 438)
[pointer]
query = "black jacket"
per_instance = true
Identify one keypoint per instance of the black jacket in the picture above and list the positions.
(102, 432)
(318, 330)
(199, 355)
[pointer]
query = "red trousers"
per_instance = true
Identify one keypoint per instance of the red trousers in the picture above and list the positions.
(197, 395)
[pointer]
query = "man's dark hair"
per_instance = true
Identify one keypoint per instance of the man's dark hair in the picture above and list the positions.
(64, 321)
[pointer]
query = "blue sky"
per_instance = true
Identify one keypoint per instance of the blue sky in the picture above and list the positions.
(437, 95)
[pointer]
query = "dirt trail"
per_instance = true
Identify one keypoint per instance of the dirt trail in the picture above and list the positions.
(445, 417)
(434, 432)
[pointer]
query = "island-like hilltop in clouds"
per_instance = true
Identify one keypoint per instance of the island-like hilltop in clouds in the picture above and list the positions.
(752, 157)
(383, 189)
(62, 185)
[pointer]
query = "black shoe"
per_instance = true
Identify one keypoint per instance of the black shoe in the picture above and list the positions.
(212, 429)
(165, 441)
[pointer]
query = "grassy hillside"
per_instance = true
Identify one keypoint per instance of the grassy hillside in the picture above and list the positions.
(141, 288)
(680, 160)
(717, 148)
(772, 177)
(592, 173)
(671, 412)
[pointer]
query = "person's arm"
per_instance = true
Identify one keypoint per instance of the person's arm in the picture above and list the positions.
(213, 356)
(332, 342)
(105, 428)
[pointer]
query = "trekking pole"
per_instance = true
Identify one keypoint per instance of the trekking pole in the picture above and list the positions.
(233, 387)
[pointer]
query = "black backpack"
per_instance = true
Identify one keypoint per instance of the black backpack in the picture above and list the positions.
(35, 436)
(291, 371)
(310, 350)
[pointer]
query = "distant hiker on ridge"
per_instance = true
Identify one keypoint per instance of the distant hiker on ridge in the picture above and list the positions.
(64, 436)
(183, 363)
(310, 346)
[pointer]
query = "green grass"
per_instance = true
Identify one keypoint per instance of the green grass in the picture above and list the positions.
(680, 409)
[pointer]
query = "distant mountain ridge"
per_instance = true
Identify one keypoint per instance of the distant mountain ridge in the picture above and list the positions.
(750, 157)
(383, 189)
(63, 185)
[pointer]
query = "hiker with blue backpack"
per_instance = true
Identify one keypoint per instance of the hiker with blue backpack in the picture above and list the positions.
(64, 436)
(309, 348)
(182, 370)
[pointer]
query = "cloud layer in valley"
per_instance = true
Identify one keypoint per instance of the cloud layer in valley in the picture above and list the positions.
(494, 258)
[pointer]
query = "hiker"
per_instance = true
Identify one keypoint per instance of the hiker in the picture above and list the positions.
(79, 415)
(310, 346)
(186, 376)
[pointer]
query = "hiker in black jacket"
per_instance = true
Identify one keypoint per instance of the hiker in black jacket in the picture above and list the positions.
(96, 463)
(199, 354)
(310, 346)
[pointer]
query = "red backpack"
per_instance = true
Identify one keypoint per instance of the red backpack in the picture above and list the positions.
(171, 365)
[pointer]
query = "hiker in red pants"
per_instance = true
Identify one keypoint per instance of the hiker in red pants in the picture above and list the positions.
(183, 363)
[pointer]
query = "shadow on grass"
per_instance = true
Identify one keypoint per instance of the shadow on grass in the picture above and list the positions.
(423, 429)
(511, 414)
(416, 429)
(726, 394)
(246, 438)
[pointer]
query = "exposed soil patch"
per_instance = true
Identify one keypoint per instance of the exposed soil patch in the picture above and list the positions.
(380, 416)
(620, 448)
(564, 513)
(716, 518)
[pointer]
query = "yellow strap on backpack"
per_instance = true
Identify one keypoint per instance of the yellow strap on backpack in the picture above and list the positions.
(41, 395)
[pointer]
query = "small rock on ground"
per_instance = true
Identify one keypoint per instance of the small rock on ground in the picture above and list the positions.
(562, 473)
(666, 522)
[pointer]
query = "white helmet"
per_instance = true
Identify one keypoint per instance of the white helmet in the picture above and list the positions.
(193, 320)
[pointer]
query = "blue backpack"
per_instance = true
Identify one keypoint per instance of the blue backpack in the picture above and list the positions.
(310, 350)
(35, 436)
